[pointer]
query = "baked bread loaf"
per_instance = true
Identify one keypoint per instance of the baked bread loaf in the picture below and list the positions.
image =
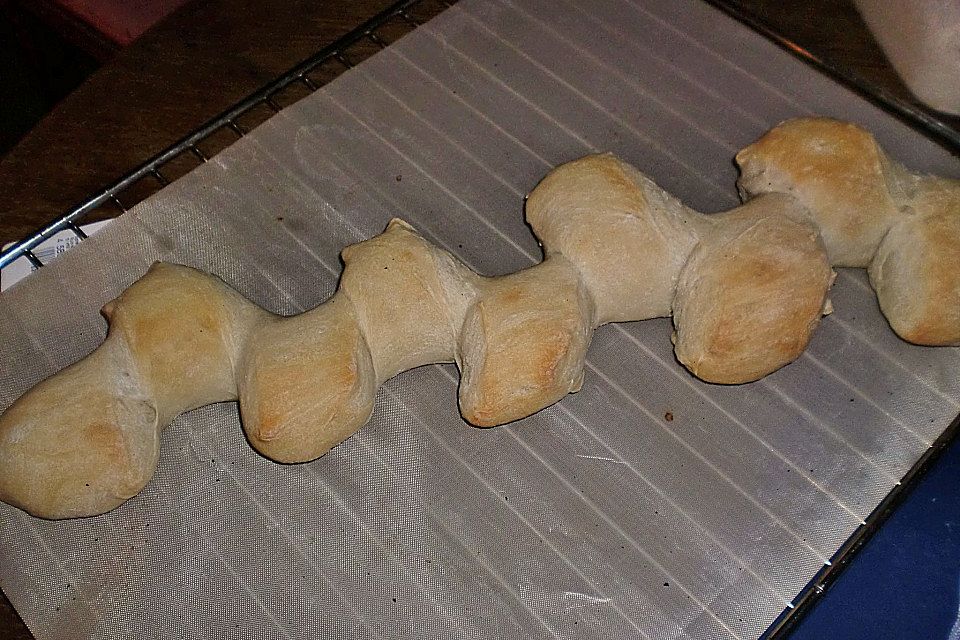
(746, 289)
(874, 213)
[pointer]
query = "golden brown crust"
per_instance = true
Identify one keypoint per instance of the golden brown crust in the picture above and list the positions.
(919, 291)
(170, 312)
(308, 383)
(85, 440)
(751, 294)
(400, 301)
(523, 343)
(90, 459)
(614, 224)
(872, 213)
(837, 170)
(740, 314)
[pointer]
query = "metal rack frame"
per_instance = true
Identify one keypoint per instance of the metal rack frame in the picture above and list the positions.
(339, 53)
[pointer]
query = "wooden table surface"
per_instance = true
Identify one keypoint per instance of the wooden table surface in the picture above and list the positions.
(212, 53)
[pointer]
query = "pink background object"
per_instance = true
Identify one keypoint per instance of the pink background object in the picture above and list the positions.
(121, 20)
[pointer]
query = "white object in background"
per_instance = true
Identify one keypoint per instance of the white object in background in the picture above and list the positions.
(922, 40)
(45, 251)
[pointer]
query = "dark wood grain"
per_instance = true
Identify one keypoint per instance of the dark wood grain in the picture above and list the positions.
(211, 53)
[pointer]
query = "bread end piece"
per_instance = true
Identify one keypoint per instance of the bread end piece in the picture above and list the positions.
(916, 274)
(77, 445)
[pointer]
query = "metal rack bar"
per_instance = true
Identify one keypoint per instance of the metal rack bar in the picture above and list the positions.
(343, 59)
(159, 177)
(377, 40)
(77, 231)
(32, 257)
(409, 19)
(911, 114)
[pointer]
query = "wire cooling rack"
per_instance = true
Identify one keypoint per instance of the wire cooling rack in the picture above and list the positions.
(308, 76)
(377, 33)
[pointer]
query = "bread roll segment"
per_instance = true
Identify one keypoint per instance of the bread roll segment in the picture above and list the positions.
(307, 382)
(873, 213)
(837, 171)
(627, 237)
(752, 291)
(523, 342)
(916, 274)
